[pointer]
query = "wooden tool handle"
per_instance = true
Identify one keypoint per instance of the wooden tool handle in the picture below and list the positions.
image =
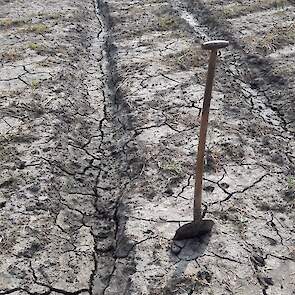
(213, 46)
(202, 138)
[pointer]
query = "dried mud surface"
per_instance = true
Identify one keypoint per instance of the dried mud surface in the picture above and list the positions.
(99, 116)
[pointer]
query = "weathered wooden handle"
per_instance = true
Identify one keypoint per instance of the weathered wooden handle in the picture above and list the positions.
(215, 44)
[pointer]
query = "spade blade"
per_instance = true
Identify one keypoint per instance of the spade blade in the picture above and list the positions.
(194, 229)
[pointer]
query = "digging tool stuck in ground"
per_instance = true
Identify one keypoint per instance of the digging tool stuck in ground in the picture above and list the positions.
(201, 226)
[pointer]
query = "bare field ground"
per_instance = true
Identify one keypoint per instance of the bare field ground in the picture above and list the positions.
(99, 121)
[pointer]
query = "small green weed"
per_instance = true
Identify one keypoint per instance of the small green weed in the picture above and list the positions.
(35, 84)
(291, 182)
(279, 3)
(188, 58)
(237, 9)
(10, 55)
(49, 16)
(167, 23)
(276, 38)
(9, 22)
(33, 46)
(39, 48)
(38, 28)
(172, 166)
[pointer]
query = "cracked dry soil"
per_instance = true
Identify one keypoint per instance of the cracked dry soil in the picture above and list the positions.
(100, 104)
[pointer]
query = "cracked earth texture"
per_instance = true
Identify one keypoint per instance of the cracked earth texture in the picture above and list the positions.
(100, 105)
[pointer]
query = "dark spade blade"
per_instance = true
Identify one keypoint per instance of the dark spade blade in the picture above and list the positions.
(194, 229)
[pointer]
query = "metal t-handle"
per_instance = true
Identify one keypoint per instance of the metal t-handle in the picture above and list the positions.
(213, 46)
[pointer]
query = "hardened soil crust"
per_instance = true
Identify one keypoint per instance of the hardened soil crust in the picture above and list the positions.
(99, 122)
